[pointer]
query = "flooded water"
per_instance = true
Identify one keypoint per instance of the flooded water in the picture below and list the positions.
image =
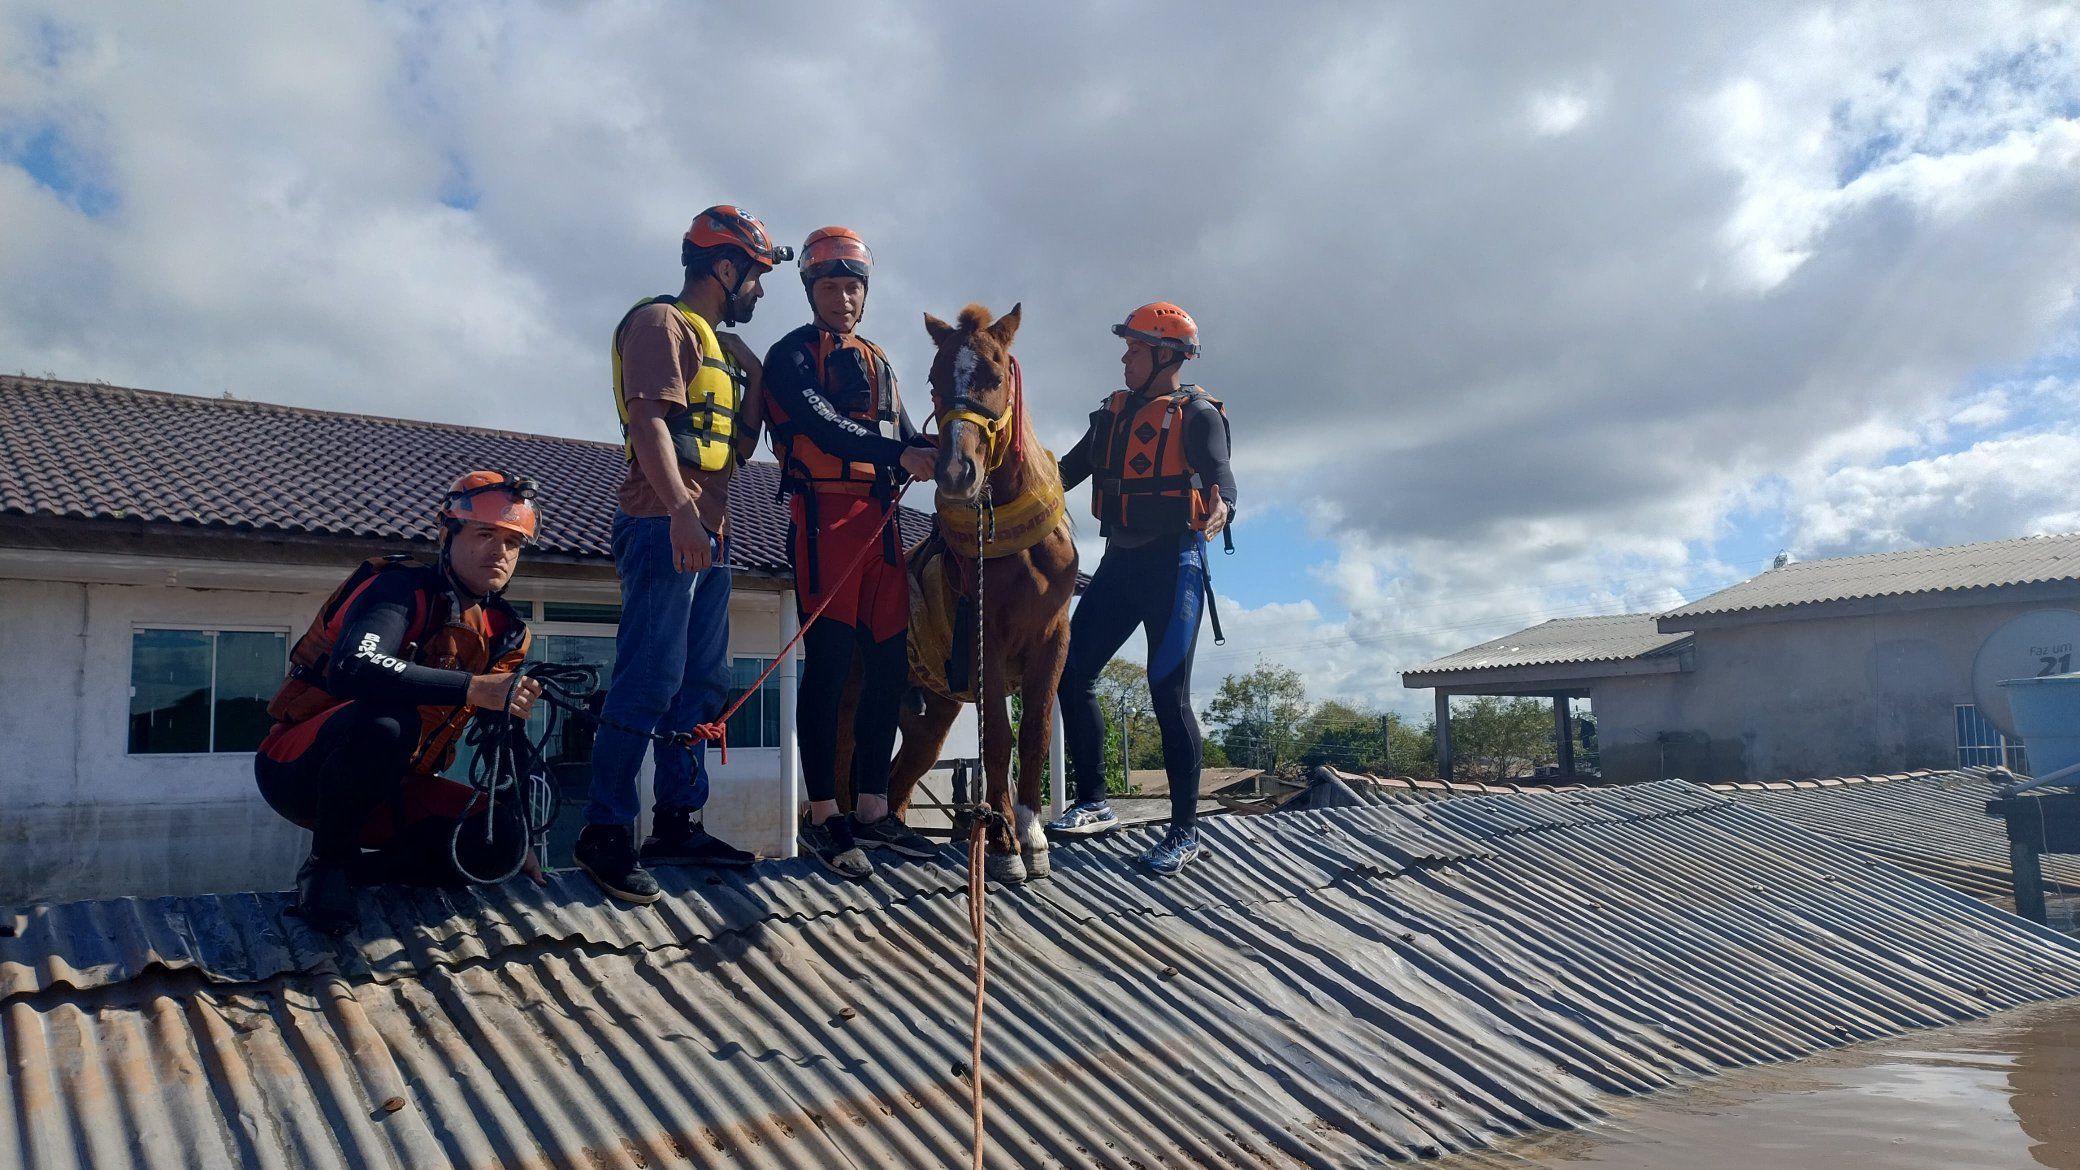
(1998, 1094)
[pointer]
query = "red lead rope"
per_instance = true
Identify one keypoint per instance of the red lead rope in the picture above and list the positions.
(718, 731)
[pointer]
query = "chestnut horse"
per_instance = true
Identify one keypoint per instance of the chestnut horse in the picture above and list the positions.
(999, 493)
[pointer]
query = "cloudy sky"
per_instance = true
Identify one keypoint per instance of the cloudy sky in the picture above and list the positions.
(1521, 311)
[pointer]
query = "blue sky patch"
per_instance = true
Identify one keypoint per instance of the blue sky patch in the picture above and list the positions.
(50, 158)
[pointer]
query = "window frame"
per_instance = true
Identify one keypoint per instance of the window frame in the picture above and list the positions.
(213, 629)
(2010, 753)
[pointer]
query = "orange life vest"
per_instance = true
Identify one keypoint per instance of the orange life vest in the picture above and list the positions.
(855, 376)
(437, 639)
(1140, 478)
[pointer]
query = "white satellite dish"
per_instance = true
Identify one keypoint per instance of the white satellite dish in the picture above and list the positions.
(2045, 641)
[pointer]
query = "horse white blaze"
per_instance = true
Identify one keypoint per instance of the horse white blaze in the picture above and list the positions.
(964, 364)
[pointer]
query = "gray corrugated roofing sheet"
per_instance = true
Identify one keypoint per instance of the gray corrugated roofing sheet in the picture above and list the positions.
(1585, 639)
(1930, 822)
(257, 467)
(2021, 561)
(1933, 823)
(1341, 988)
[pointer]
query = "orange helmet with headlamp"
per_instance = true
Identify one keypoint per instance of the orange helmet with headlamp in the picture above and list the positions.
(497, 498)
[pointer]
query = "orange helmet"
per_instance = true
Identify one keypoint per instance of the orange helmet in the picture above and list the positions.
(497, 498)
(723, 226)
(834, 251)
(1163, 325)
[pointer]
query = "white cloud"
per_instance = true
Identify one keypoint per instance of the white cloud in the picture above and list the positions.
(2016, 486)
(1758, 252)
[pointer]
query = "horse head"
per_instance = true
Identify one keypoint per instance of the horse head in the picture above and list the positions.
(976, 397)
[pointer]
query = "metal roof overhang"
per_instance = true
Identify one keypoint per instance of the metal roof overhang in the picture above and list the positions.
(1570, 679)
(2035, 592)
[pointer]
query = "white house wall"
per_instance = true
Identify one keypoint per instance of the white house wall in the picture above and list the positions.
(81, 817)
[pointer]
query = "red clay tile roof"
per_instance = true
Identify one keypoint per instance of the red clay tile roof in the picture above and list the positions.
(94, 452)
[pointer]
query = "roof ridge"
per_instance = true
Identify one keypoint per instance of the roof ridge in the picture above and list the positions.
(1928, 551)
(25, 382)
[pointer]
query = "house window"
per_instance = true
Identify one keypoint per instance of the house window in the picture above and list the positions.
(1981, 744)
(203, 690)
(757, 723)
(581, 612)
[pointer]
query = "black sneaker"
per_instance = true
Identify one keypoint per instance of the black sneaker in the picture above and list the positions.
(832, 844)
(608, 853)
(677, 839)
(891, 833)
(325, 896)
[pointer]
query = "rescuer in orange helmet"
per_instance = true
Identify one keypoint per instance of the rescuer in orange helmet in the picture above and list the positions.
(381, 687)
(1156, 454)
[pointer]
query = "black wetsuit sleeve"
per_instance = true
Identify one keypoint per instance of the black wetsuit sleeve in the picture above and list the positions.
(1076, 465)
(1206, 449)
(371, 660)
(791, 381)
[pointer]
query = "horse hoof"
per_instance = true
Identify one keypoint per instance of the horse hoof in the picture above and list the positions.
(1008, 868)
(1038, 866)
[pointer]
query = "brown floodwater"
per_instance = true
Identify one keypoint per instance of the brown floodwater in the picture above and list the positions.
(1992, 1095)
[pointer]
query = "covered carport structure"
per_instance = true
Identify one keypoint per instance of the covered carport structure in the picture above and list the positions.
(1561, 660)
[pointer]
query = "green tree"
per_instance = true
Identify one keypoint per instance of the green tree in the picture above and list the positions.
(1258, 716)
(1343, 736)
(1495, 738)
(1358, 740)
(1412, 749)
(1122, 690)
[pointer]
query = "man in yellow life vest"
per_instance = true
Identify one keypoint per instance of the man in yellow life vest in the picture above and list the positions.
(1157, 458)
(689, 398)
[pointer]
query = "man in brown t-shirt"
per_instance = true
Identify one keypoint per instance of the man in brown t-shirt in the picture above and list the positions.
(690, 404)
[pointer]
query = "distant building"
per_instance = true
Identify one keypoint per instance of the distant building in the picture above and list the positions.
(158, 552)
(1813, 668)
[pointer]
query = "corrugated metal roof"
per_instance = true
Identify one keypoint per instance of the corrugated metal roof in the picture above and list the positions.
(1929, 822)
(1340, 988)
(257, 467)
(2020, 561)
(1616, 638)
(1933, 823)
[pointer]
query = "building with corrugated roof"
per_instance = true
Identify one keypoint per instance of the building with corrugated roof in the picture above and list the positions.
(158, 554)
(1813, 668)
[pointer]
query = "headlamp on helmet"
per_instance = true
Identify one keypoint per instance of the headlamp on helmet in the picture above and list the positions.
(498, 498)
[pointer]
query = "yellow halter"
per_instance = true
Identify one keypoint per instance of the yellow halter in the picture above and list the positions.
(1000, 432)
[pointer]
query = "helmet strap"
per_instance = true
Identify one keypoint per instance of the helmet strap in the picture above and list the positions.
(1157, 370)
(730, 292)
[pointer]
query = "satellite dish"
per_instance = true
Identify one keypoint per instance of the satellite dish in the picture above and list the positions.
(2045, 641)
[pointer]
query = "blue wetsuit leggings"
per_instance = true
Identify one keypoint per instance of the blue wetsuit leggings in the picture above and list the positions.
(1160, 587)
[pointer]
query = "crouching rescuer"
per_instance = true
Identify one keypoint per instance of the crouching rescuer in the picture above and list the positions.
(382, 685)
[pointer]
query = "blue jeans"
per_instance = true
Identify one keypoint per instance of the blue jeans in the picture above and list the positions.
(671, 671)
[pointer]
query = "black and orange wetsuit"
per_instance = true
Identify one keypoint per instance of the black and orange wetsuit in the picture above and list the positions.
(839, 431)
(376, 700)
(1155, 464)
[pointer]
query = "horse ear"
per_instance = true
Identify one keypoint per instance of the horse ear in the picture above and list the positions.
(939, 330)
(1007, 326)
